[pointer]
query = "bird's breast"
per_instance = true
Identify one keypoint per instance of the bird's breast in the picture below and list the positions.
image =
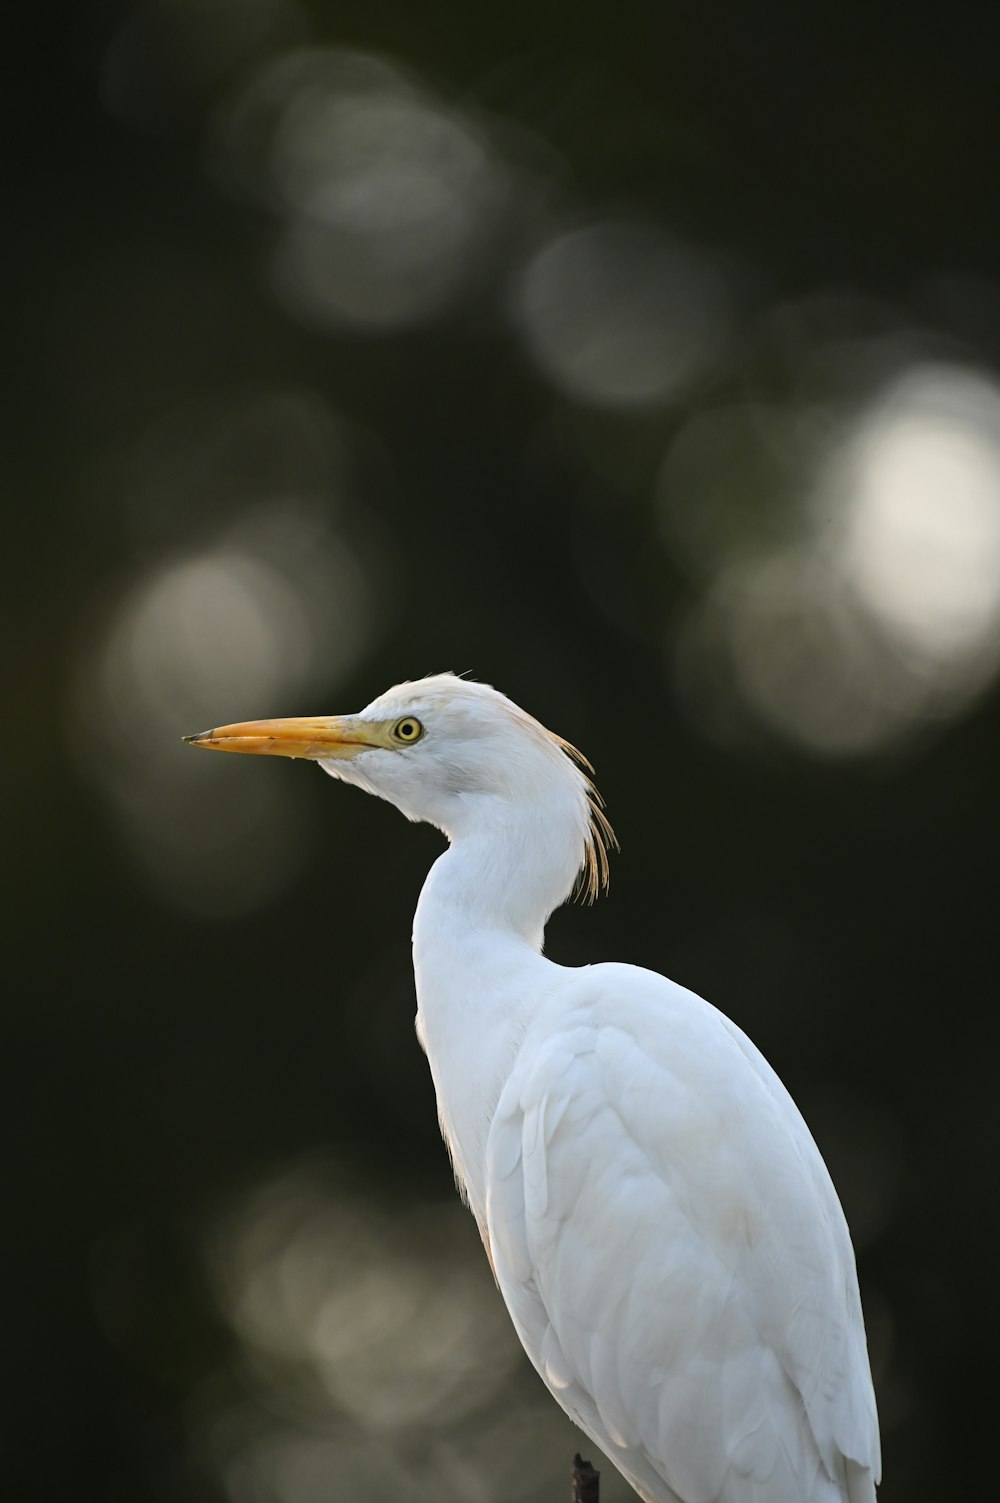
(472, 1014)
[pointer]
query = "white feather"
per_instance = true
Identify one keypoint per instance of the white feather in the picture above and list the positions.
(661, 1224)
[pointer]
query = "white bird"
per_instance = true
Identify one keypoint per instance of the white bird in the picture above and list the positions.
(661, 1225)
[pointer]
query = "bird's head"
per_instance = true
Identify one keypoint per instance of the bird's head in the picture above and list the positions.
(449, 751)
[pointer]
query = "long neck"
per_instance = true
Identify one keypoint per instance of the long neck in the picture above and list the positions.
(477, 940)
(507, 871)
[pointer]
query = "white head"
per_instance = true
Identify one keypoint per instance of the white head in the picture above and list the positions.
(458, 755)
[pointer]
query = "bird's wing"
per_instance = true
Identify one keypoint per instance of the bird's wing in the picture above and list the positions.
(673, 1253)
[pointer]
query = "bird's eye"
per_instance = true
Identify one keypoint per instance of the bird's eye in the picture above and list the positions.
(407, 730)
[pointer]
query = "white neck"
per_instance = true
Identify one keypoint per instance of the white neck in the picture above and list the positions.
(508, 868)
(477, 938)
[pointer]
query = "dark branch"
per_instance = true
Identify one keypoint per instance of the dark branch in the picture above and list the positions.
(586, 1481)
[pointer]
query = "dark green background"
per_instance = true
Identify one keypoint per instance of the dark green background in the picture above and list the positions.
(843, 910)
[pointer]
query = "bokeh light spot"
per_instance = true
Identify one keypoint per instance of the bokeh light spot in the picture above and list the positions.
(276, 608)
(389, 198)
(780, 636)
(371, 1346)
(922, 536)
(846, 554)
(621, 315)
(307, 1271)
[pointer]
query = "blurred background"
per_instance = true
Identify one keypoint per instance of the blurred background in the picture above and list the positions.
(642, 360)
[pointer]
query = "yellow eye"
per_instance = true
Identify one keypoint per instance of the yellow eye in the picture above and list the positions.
(407, 730)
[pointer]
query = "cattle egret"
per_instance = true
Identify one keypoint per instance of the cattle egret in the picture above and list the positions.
(662, 1227)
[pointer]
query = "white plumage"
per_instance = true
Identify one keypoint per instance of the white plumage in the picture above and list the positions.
(660, 1222)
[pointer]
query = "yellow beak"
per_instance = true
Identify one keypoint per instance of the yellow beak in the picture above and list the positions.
(321, 737)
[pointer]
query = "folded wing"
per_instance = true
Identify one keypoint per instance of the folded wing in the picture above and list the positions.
(674, 1255)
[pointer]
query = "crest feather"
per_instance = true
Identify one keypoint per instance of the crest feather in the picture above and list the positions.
(595, 874)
